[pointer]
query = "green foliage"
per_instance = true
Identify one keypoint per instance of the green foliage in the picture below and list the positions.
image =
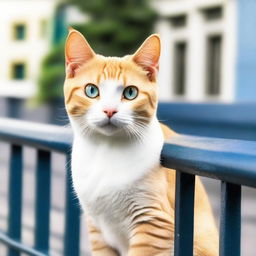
(115, 28)
(51, 79)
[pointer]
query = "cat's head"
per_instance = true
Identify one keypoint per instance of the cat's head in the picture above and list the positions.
(111, 95)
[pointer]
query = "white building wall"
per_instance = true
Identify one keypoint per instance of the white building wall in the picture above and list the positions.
(30, 50)
(195, 33)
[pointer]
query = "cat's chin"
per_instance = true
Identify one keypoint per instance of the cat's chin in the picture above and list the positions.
(109, 130)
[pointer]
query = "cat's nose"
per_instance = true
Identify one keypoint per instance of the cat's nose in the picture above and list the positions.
(110, 112)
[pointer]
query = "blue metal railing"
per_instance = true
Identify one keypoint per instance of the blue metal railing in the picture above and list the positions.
(231, 161)
(45, 138)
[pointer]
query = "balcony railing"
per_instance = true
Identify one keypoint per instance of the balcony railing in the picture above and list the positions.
(45, 138)
(233, 162)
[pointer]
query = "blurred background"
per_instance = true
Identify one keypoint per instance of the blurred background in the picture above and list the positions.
(208, 48)
(207, 74)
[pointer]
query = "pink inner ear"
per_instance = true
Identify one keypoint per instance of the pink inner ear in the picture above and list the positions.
(152, 72)
(148, 64)
(148, 56)
(71, 69)
(77, 52)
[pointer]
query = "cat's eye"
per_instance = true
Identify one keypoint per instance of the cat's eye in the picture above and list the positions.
(130, 92)
(91, 91)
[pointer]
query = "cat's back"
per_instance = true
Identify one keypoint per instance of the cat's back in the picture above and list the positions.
(167, 132)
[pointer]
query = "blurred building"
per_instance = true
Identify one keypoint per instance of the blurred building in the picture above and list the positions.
(25, 27)
(199, 49)
(209, 50)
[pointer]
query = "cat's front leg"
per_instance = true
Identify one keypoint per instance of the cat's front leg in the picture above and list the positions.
(152, 239)
(98, 245)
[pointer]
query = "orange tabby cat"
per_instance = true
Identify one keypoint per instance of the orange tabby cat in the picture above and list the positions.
(127, 195)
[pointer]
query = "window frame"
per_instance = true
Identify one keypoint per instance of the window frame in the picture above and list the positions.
(14, 31)
(12, 71)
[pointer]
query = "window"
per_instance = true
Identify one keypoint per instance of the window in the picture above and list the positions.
(213, 13)
(213, 65)
(18, 71)
(19, 31)
(179, 67)
(178, 21)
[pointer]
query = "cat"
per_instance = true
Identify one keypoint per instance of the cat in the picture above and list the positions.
(127, 196)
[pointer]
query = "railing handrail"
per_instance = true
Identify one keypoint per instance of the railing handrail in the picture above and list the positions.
(228, 160)
(224, 159)
(41, 136)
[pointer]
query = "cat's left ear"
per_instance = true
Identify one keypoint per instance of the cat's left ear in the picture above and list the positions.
(147, 56)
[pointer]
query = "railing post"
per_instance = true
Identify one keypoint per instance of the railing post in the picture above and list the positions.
(15, 196)
(42, 201)
(184, 214)
(72, 217)
(230, 220)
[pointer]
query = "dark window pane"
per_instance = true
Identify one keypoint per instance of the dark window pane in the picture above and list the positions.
(178, 21)
(19, 31)
(213, 65)
(18, 71)
(179, 67)
(213, 13)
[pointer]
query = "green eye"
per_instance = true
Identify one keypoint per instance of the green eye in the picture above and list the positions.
(130, 92)
(91, 91)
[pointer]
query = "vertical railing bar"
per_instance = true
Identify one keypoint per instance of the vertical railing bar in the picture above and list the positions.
(184, 214)
(15, 196)
(230, 219)
(72, 217)
(42, 201)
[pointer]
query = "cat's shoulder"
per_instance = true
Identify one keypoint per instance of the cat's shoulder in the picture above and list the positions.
(168, 133)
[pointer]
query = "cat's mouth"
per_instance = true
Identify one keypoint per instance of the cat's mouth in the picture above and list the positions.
(113, 123)
(108, 127)
(106, 123)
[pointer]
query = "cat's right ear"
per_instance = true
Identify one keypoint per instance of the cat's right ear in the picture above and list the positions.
(147, 56)
(77, 52)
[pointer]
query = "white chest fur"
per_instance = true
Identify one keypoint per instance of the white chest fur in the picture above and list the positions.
(101, 168)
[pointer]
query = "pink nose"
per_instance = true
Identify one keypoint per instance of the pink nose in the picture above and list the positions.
(110, 112)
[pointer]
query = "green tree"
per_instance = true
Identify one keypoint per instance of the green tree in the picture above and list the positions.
(52, 75)
(114, 28)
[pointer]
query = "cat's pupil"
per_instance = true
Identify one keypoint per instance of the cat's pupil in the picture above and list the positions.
(130, 91)
(92, 90)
